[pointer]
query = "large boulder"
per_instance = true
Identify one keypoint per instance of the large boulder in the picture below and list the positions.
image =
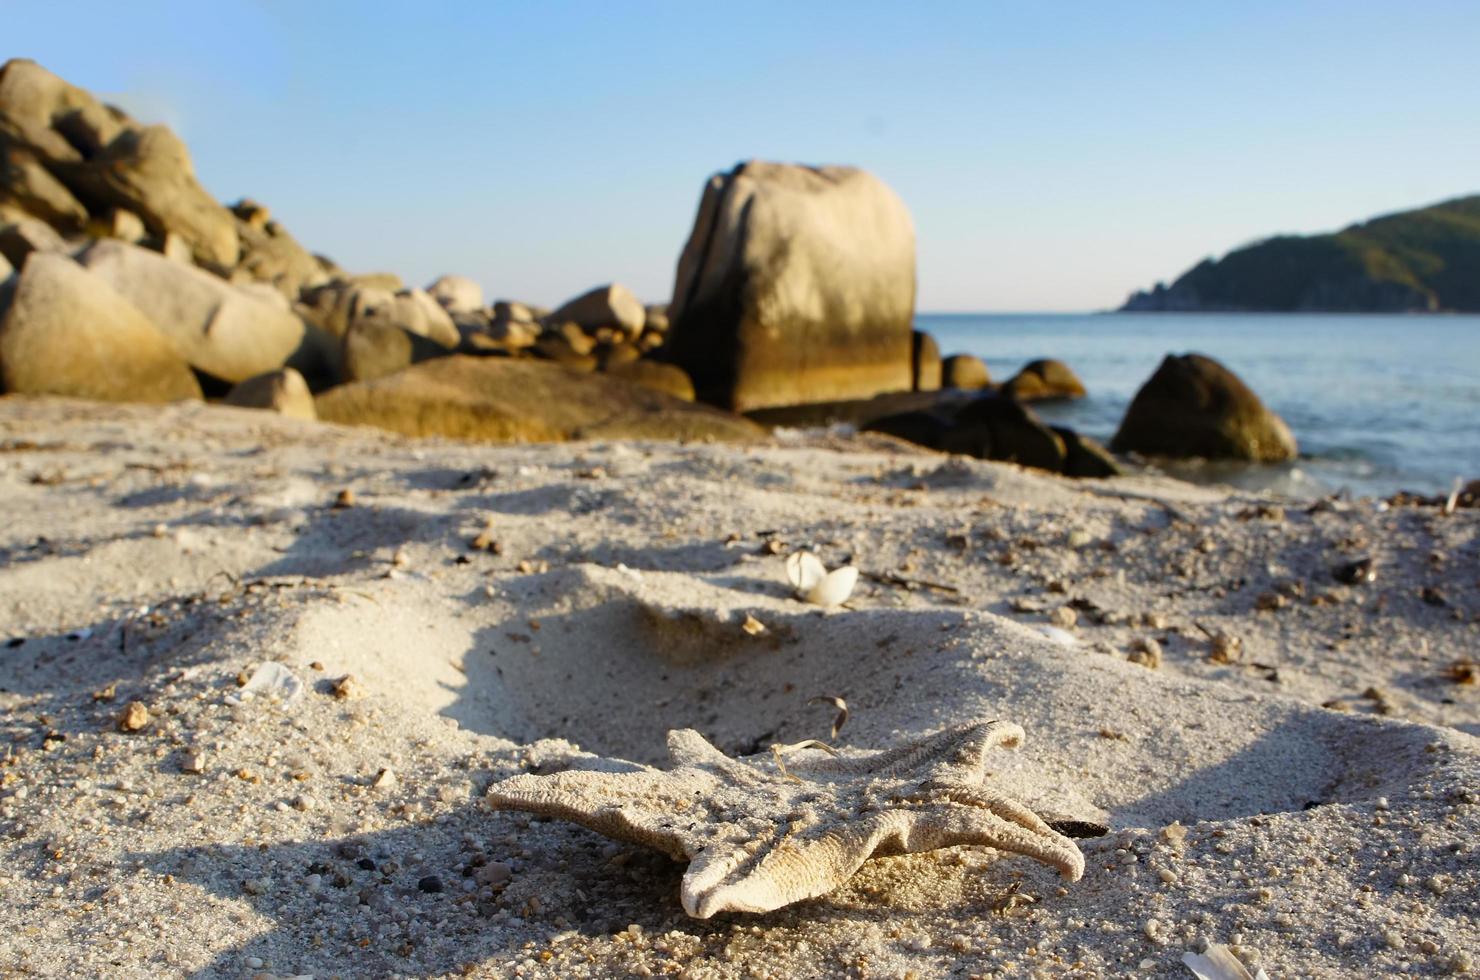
(1194, 406)
(612, 305)
(1043, 380)
(284, 392)
(965, 372)
(222, 331)
(68, 332)
(457, 294)
(797, 285)
(514, 400)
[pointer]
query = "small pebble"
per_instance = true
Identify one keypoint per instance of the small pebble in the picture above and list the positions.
(385, 779)
(347, 688)
(135, 717)
(346, 498)
(1064, 617)
(1146, 652)
(431, 884)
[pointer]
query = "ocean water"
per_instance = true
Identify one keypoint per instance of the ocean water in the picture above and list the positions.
(1378, 403)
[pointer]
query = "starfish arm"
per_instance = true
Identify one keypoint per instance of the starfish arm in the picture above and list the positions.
(998, 822)
(958, 753)
(638, 807)
(767, 874)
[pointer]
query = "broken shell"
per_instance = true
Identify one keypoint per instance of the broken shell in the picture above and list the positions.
(815, 584)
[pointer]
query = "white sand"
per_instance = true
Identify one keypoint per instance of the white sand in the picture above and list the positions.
(164, 552)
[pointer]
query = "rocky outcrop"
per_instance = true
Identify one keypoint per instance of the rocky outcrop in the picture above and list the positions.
(374, 348)
(797, 285)
(1194, 406)
(509, 400)
(965, 372)
(222, 331)
(1044, 380)
(68, 332)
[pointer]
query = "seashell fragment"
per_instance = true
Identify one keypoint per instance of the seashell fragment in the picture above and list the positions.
(815, 584)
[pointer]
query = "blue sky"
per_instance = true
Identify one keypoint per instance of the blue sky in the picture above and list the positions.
(1055, 156)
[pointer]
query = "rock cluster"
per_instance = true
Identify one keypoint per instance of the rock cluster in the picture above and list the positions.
(124, 280)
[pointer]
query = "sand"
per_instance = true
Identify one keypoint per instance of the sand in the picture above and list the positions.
(1311, 802)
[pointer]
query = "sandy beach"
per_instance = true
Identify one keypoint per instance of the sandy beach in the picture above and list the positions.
(1295, 780)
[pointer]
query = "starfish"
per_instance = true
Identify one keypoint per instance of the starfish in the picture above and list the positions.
(759, 836)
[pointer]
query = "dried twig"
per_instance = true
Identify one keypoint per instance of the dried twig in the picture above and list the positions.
(836, 702)
(889, 578)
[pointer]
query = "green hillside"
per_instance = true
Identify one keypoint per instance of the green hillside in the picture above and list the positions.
(1426, 259)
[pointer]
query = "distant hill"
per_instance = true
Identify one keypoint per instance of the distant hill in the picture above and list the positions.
(1425, 259)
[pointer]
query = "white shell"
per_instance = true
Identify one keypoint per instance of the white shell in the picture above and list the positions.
(273, 680)
(805, 571)
(835, 587)
(1219, 964)
(1059, 636)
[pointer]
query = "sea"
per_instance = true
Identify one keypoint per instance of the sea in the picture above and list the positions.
(1379, 403)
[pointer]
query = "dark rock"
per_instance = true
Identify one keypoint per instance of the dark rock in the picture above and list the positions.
(1001, 428)
(964, 371)
(1084, 457)
(923, 428)
(797, 285)
(1194, 406)
(431, 884)
(1042, 380)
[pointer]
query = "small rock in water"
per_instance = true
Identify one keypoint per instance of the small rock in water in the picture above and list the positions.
(274, 680)
(135, 717)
